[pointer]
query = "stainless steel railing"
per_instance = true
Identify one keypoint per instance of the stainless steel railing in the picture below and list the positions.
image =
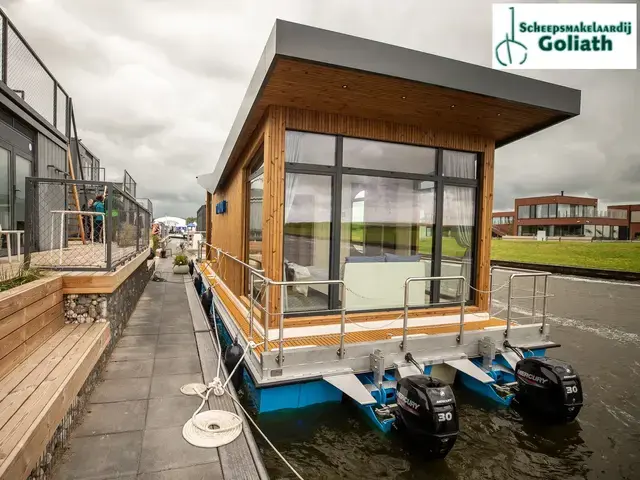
(267, 283)
(405, 325)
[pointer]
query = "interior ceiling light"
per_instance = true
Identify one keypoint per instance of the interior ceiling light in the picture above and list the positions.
(344, 86)
(404, 97)
(453, 106)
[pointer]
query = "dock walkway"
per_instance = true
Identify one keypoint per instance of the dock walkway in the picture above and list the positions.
(133, 424)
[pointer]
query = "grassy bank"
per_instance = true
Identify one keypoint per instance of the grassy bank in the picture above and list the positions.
(608, 256)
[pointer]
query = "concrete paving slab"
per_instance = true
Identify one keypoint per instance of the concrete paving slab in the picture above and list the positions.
(176, 328)
(129, 369)
(122, 354)
(177, 339)
(145, 321)
(102, 456)
(174, 366)
(173, 351)
(101, 418)
(207, 471)
(169, 385)
(121, 389)
(142, 330)
(167, 412)
(138, 341)
(164, 449)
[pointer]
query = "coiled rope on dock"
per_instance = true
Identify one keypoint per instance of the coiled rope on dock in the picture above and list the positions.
(215, 428)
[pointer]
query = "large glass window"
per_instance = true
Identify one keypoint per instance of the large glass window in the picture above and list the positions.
(524, 211)
(589, 211)
(307, 238)
(375, 225)
(563, 210)
(553, 210)
(310, 148)
(457, 238)
(542, 211)
(5, 198)
(256, 194)
(589, 231)
(395, 157)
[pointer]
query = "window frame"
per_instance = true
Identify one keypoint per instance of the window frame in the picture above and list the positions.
(337, 171)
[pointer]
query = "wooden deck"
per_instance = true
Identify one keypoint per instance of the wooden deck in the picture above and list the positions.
(240, 314)
(78, 255)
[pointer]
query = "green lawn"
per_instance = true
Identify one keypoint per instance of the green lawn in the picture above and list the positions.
(608, 256)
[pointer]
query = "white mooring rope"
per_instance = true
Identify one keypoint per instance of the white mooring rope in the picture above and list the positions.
(215, 428)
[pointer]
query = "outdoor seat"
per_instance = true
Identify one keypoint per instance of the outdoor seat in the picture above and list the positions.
(43, 366)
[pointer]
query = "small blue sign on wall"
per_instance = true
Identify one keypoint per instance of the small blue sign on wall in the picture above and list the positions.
(221, 207)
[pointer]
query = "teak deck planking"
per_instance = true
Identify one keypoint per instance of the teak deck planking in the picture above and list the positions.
(241, 320)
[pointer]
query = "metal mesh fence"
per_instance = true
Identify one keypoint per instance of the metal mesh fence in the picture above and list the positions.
(27, 76)
(82, 225)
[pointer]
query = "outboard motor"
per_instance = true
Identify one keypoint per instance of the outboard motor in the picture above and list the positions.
(191, 267)
(427, 413)
(197, 282)
(549, 387)
(206, 300)
(232, 356)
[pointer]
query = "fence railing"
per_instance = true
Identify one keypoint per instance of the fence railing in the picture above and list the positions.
(30, 79)
(63, 231)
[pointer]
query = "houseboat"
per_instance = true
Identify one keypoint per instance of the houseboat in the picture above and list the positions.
(348, 232)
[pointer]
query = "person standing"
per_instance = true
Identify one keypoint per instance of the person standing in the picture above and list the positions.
(98, 207)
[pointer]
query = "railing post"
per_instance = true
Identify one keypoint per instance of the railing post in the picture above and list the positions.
(266, 319)
(343, 313)
(251, 304)
(107, 235)
(405, 323)
(533, 302)
(29, 234)
(508, 330)
(490, 290)
(281, 327)
(544, 304)
(460, 337)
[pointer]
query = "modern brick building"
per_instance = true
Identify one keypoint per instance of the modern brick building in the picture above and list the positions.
(569, 216)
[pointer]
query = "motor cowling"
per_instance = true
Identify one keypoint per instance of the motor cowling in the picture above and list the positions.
(549, 387)
(427, 412)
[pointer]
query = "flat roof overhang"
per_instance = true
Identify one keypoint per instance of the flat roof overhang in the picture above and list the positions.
(310, 68)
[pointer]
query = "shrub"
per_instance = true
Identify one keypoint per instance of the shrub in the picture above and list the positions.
(9, 279)
(180, 260)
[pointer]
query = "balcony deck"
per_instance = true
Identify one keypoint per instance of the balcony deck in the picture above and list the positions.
(360, 328)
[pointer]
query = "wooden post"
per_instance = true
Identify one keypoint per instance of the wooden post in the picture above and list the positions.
(75, 194)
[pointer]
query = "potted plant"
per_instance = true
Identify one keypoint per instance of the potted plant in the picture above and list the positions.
(180, 264)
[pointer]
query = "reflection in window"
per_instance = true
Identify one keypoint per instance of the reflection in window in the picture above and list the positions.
(615, 233)
(589, 211)
(372, 155)
(563, 210)
(387, 229)
(553, 210)
(307, 238)
(606, 231)
(542, 211)
(256, 193)
(457, 242)
(589, 231)
(310, 148)
(524, 211)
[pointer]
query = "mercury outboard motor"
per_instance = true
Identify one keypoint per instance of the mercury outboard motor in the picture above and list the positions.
(197, 282)
(232, 356)
(191, 267)
(206, 300)
(427, 413)
(549, 387)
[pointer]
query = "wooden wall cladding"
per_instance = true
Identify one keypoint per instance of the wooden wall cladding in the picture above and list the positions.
(29, 315)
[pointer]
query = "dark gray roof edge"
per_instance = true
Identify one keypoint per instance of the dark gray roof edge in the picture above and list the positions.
(312, 44)
(332, 48)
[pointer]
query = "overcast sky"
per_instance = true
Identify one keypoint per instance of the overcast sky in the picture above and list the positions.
(157, 83)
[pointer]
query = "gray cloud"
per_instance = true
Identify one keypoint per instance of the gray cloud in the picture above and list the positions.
(157, 83)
